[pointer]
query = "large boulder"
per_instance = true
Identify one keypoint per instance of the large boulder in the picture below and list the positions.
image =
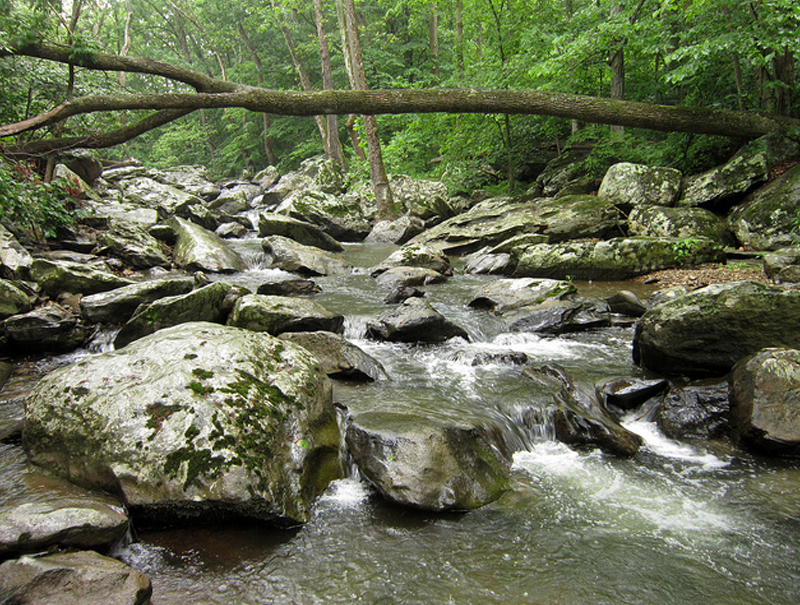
(562, 316)
(415, 255)
(72, 578)
(614, 259)
(765, 400)
(291, 256)
(15, 261)
(270, 223)
(698, 410)
(277, 314)
(118, 305)
(705, 332)
(198, 249)
(195, 421)
(504, 296)
(343, 217)
(635, 185)
(428, 464)
(748, 168)
(681, 223)
(418, 197)
(397, 231)
(498, 219)
(12, 299)
(783, 265)
(132, 244)
(104, 213)
(338, 357)
(768, 218)
(314, 174)
(415, 320)
(167, 200)
(203, 304)
(49, 328)
(234, 198)
(57, 276)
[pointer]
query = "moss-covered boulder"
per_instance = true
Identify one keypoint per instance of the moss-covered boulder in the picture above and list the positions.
(198, 249)
(682, 223)
(768, 218)
(15, 261)
(50, 328)
(338, 358)
(132, 244)
(705, 332)
(425, 199)
(783, 265)
(166, 199)
(429, 464)
(57, 276)
(634, 185)
(508, 295)
(118, 305)
(765, 400)
(270, 223)
(617, 258)
(195, 421)
(12, 299)
(278, 314)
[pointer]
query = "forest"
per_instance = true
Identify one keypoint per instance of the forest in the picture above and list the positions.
(729, 64)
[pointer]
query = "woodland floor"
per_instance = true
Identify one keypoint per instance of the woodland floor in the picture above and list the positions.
(705, 275)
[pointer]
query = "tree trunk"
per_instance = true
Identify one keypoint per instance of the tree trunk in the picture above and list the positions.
(380, 182)
(334, 146)
(460, 36)
(433, 37)
(265, 123)
(617, 64)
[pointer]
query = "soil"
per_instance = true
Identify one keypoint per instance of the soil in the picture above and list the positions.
(705, 275)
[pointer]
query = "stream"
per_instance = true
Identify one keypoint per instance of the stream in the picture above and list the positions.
(678, 523)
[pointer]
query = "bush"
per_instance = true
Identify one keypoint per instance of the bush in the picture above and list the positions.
(34, 206)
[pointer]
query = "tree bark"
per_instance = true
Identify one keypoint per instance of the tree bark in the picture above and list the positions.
(334, 146)
(265, 122)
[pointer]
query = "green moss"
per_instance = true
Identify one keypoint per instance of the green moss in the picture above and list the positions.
(158, 413)
(198, 463)
(202, 374)
(199, 388)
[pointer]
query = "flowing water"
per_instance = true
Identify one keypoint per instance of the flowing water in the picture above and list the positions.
(678, 523)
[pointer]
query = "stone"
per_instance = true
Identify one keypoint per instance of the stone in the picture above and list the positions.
(278, 314)
(102, 214)
(74, 578)
(194, 180)
(705, 332)
(614, 259)
(415, 320)
(231, 230)
(698, 410)
(202, 304)
(768, 218)
(198, 421)
(234, 199)
(783, 265)
(12, 300)
(343, 217)
(198, 249)
(627, 303)
(291, 256)
(270, 223)
(289, 287)
(629, 393)
(132, 244)
(408, 277)
(397, 231)
(166, 199)
(15, 261)
(765, 401)
(118, 305)
(507, 295)
(428, 464)
(682, 223)
(561, 317)
(57, 276)
(634, 185)
(422, 198)
(415, 255)
(338, 357)
(49, 328)
(82, 162)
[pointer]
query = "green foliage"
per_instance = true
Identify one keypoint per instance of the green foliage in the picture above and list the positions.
(684, 250)
(33, 205)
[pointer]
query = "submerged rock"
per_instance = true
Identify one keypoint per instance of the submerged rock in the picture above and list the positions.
(426, 463)
(765, 400)
(705, 332)
(198, 420)
(415, 320)
(73, 578)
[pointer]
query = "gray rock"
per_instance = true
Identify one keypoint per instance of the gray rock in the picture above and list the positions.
(50, 328)
(398, 231)
(12, 300)
(504, 296)
(767, 218)
(235, 199)
(167, 200)
(765, 400)
(195, 421)
(83, 162)
(415, 255)
(577, 419)
(132, 244)
(783, 265)
(338, 357)
(194, 180)
(629, 393)
(203, 304)
(425, 199)
(698, 410)
(291, 256)
(57, 276)
(118, 305)
(231, 230)
(277, 314)
(343, 217)
(638, 185)
(270, 223)
(75, 578)
(483, 262)
(414, 321)
(428, 464)
(627, 303)
(561, 317)
(615, 259)
(682, 223)
(104, 213)
(408, 277)
(567, 168)
(198, 249)
(15, 261)
(289, 287)
(705, 332)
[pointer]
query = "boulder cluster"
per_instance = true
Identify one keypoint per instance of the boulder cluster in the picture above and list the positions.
(214, 400)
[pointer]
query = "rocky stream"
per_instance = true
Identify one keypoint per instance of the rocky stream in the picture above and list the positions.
(488, 400)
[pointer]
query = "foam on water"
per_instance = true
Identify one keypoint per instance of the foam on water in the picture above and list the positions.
(662, 446)
(345, 493)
